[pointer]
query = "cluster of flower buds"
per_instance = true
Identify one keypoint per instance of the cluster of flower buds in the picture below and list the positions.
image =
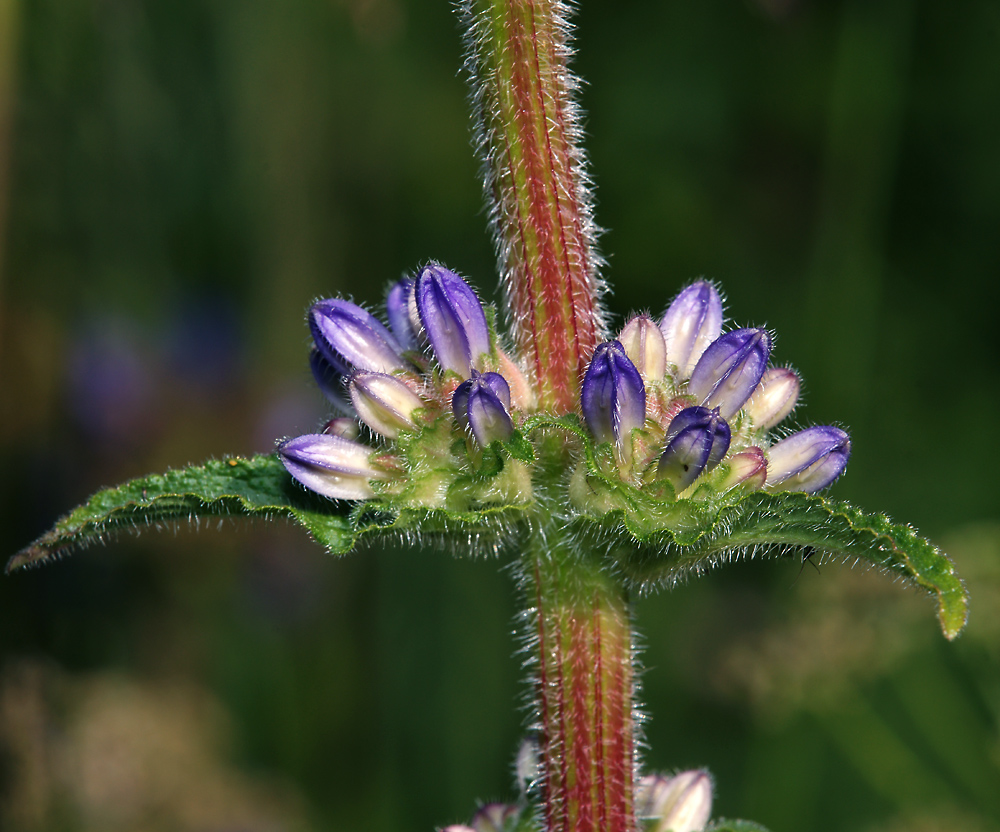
(682, 399)
(682, 803)
(380, 377)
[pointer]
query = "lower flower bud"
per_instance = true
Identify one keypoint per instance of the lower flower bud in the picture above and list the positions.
(330, 465)
(682, 803)
(481, 405)
(775, 397)
(613, 396)
(697, 440)
(808, 460)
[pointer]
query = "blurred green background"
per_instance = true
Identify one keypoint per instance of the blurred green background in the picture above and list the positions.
(178, 180)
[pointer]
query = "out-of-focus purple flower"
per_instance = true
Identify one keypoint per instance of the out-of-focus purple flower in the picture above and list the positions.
(697, 440)
(398, 309)
(808, 460)
(690, 324)
(613, 396)
(682, 803)
(643, 343)
(774, 399)
(482, 404)
(330, 381)
(330, 465)
(453, 319)
(383, 402)
(351, 338)
(730, 370)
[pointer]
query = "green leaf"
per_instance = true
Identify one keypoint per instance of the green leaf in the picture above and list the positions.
(735, 826)
(779, 524)
(255, 487)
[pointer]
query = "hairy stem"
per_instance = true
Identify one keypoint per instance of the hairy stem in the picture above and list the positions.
(579, 630)
(529, 138)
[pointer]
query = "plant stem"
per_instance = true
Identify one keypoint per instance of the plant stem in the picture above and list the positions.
(536, 183)
(579, 630)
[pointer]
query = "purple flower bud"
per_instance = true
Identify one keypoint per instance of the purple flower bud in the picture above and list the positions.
(482, 405)
(453, 319)
(384, 402)
(697, 440)
(644, 345)
(344, 427)
(682, 803)
(398, 309)
(350, 337)
(808, 460)
(330, 465)
(496, 817)
(613, 396)
(775, 398)
(730, 370)
(330, 381)
(690, 324)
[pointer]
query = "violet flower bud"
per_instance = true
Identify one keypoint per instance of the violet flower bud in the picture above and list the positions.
(453, 319)
(808, 460)
(397, 307)
(774, 399)
(697, 440)
(330, 465)
(383, 402)
(730, 370)
(613, 396)
(690, 324)
(481, 404)
(350, 338)
(495, 817)
(682, 803)
(644, 345)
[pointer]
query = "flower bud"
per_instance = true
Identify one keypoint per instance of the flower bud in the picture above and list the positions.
(644, 345)
(697, 440)
(730, 370)
(774, 399)
(343, 426)
(453, 319)
(481, 404)
(350, 338)
(330, 465)
(397, 306)
(747, 468)
(383, 402)
(330, 381)
(682, 803)
(690, 324)
(613, 397)
(808, 460)
(496, 817)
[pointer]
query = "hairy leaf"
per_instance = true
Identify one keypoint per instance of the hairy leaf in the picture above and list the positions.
(255, 487)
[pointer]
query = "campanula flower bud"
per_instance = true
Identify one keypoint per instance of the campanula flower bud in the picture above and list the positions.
(383, 402)
(697, 440)
(682, 803)
(482, 404)
(397, 307)
(644, 345)
(343, 426)
(613, 396)
(453, 319)
(496, 817)
(808, 460)
(747, 468)
(690, 324)
(774, 399)
(522, 396)
(330, 465)
(351, 338)
(730, 370)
